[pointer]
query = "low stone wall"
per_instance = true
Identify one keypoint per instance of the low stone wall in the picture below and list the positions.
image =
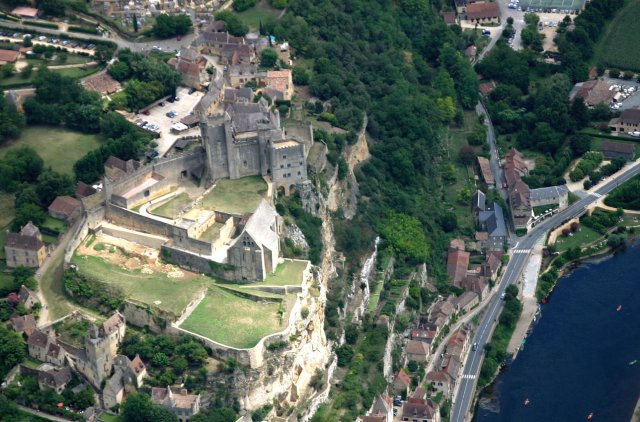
(142, 315)
(137, 237)
(283, 290)
(195, 263)
(225, 233)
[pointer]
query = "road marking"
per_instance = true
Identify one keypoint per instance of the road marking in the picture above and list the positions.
(521, 251)
(597, 195)
(469, 376)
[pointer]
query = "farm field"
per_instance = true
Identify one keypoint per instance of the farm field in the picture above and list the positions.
(619, 45)
(237, 196)
(50, 141)
(173, 294)
(238, 323)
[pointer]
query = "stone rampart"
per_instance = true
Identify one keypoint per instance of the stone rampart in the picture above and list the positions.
(196, 263)
(132, 236)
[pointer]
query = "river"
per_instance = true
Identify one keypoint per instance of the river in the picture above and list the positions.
(577, 359)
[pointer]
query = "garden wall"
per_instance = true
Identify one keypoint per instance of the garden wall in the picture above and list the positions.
(196, 263)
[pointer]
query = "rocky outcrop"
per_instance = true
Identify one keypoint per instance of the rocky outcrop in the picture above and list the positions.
(293, 232)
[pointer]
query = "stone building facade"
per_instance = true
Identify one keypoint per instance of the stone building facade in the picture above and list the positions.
(25, 249)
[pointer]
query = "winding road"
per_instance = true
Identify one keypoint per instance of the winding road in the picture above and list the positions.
(520, 253)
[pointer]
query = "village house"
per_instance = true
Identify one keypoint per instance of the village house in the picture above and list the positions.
(83, 190)
(552, 195)
(417, 351)
(65, 208)
(115, 168)
(401, 383)
(237, 95)
(629, 121)
(483, 13)
(56, 379)
(280, 81)
(9, 56)
(485, 171)
(478, 202)
(449, 17)
(425, 333)
(26, 12)
(38, 344)
(492, 222)
(128, 376)
(192, 68)
(492, 264)
(102, 83)
(27, 297)
(420, 410)
(457, 265)
(476, 284)
(25, 248)
(25, 324)
(439, 382)
(487, 87)
(612, 150)
(594, 92)
(381, 410)
(184, 405)
(467, 301)
(241, 74)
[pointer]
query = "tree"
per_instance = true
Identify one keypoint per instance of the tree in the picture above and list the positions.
(167, 26)
(139, 408)
(140, 94)
(268, 58)
(614, 73)
(301, 76)
(12, 350)
(52, 7)
(242, 5)
(467, 155)
(50, 185)
(580, 112)
(26, 71)
(26, 213)
(233, 24)
(135, 22)
(119, 71)
(8, 70)
(11, 120)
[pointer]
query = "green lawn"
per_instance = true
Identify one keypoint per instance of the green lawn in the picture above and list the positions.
(237, 196)
(7, 212)
(261, 12)
(73, 332)
(583, 236)
(289, 273)
(232, 320)
(52, 289)
(6, 280)
(55, 224)
(174, 294)
(106, 417)
(59, 148)
(212, 232)
(619, 45)
(74, 72)
(171, 208)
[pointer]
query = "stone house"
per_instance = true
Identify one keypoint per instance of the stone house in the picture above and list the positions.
(241, 74)
(184, 405)
(478, 202)
(381, 410)
(211, 42)
(9, 56)
(492, 265)
(56, 379)
(552, 195)
(612, 150)
(467, 301)
(38, 344)
(417, 351)
(65, 208)
(27, 297)
(23, 324)
(476, 284)
(629, 121)
(492, 222)
(420, 410)
(457, 265)
(192, 68)
(83, 190)
(115, 168)
(128, 376)
(401, 383)
(280, 81)
(521, 210)
(439, 381)
(483, 13)
(25, 248)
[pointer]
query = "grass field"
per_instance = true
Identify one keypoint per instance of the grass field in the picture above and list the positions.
(238, 323)
(619, 45)
(174, 294)
(583, 236)
(7, 212)
(289, 273)
(553, 4)
(74, 72)
(59, 148)
(52, 289)
(261, 12)
(171, 208)
(237, 196)
(212, 232)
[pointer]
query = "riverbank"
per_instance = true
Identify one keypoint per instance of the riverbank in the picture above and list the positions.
(636, 412)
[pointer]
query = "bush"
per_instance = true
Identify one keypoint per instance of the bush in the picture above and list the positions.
(242, 5)
(84, 30)
(41, 24)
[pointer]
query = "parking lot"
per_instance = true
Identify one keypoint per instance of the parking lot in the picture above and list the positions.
(158, 117)
(72, 46)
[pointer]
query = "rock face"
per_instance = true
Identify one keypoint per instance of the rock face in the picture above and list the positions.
(291, 231)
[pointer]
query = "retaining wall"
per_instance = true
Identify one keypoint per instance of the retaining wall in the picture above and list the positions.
(196, 263)
(137, 237)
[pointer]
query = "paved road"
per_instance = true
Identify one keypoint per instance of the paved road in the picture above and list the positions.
(43, 415)
(166, 45)
(464, 399)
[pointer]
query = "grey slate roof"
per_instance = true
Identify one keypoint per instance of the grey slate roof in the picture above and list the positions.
(479, 200)
(494, 219)
(259, 226)
(549, 194)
